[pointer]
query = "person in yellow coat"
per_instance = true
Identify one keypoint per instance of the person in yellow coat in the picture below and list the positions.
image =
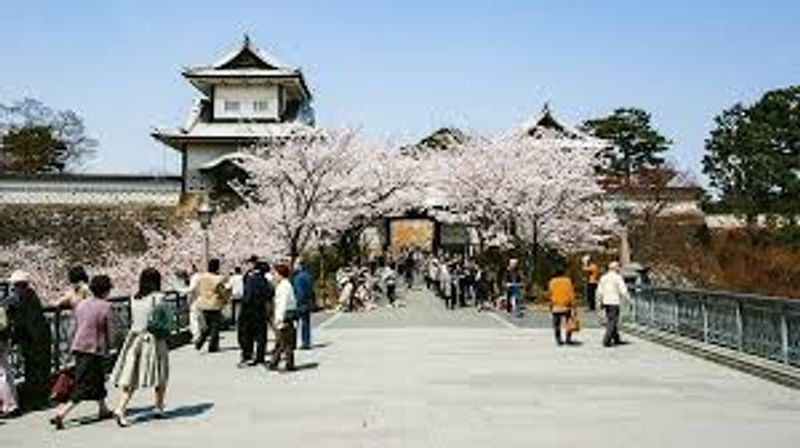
(212, 294)
(561, 293)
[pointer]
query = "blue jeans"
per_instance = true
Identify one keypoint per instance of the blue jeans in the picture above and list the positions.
(305, 329)
(515, 294)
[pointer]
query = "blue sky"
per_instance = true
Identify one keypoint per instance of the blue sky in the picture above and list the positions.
(400, 69)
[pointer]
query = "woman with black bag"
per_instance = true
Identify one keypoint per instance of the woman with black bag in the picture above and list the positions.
(143, 361)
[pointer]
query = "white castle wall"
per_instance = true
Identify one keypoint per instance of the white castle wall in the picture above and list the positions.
(100, 190)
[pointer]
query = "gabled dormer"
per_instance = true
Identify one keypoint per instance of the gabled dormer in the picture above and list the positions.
(249, 85)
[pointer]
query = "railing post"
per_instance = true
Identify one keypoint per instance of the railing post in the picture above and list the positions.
(56, 355)
(784, 335)
(704, 310)
(739, 326)
(676, 314)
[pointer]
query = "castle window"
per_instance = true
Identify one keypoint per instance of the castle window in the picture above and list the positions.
(232, 106)
(260, 106)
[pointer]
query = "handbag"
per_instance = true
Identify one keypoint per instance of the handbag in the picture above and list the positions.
(63, 386)
(573, 324)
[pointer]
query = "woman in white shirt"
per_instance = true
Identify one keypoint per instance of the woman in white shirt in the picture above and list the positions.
(143, 361)
(285, 314)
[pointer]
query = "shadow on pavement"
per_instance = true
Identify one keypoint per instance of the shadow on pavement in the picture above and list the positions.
(306, 366)
(187, 411)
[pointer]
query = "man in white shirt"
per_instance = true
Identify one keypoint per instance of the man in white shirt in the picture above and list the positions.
(236, 284)
(611, 291)
(285, 315)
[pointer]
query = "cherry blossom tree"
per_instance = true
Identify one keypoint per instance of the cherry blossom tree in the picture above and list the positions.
(234, 236)
(322, 185)
(40, 260)
(534, 184)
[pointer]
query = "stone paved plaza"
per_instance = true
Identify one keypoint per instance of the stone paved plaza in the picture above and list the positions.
(423, 376)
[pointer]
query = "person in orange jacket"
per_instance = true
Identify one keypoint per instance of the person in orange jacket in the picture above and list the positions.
(561, 293)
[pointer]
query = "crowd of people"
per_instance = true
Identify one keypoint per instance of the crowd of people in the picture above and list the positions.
(362, 287)
(463, 282)
(276, 297)
(460, 283)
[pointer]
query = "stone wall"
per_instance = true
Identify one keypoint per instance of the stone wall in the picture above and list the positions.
(83, 233)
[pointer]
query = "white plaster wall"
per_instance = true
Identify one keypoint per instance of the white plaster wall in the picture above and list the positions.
(198, 155)
(89, 192)
(668, 207)
(246, 95)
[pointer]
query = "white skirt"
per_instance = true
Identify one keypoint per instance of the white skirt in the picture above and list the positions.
(143, 362)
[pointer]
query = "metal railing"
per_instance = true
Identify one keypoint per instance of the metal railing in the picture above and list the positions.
(61, 328)
(767, 327)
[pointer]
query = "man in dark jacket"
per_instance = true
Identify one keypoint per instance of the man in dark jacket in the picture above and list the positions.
(303, 286)
(253, 314)
(31, 332)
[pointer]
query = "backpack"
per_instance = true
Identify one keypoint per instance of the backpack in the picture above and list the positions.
(160, 321)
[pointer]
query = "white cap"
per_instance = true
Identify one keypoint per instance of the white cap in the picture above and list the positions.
(19, 277)
(614, 266)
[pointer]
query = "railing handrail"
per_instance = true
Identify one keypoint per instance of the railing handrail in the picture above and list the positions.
(59, 317)
(168, 295)
(765, 326)
(699, 294)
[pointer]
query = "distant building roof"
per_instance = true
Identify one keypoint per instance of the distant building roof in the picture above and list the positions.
(245, 62)
(545, 127)
(442, 139)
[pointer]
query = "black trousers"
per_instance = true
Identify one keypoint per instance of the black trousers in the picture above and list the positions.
(213, 321)
(410, 279)
(591, 295)
(612, 325)
(33, 393)
(559, 320)
(284, 346)
(452, 299)
(252, 331)
(463, 292)
(391, 293)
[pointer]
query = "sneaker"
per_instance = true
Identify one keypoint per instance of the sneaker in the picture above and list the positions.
(122, 422)
(158, 413)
